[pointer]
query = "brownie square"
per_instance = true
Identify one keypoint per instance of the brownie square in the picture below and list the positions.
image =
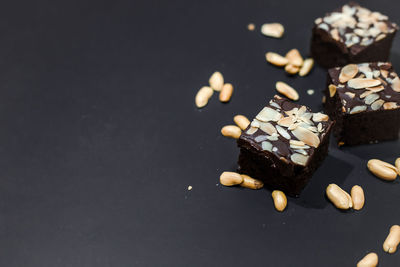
(284, 145)
(364, 100)
(352, 34)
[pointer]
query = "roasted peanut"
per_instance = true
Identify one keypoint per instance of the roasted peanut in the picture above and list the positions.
(280, 200)
(370, 260)
(241, 121)
(203, 95)
(230, 178)
(397, 164)
(307, 66)
(231, 131)
(357, 196)
(382, 169)
(340, 198)
(392, 240)
(287, 90)
(251, 183)
(276, 59)
(216, 81)
(275, 30)
(226, 93)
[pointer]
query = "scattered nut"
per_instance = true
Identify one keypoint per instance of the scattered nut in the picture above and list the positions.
(357, 196)
(332, 90)
(280, 200)
(307, 66)
(275, 30)
(251, 183)
(251, 27)
(392, 240)
(382, 169)
(230, 178)
(370, 260)
(226, 93)
(241, 121)
(292, 69)
(294, 57)
(310, 91)
(216, 81)
(276, 59)
(287, 91)
(348, 72)
(203, 95)
(340, 198)
(397, 164)
(231, 131)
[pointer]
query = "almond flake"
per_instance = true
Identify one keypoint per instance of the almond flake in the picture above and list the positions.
(296, 143)
(307, 66)
(287, 91)
(380, 37)
(320, 117)
(286, 121)
(276, 59)
(358, 109)
(360, 83)
(255, 123)
(376, 89)
(273, 137)
(268, 128)
(377, 104)
(366, 93)
(266, 146)
(348, 72)
(396, 84)
(275, 30)
(299, 159)
(390, 105)
(319, 127)
(371, 98)
(261, 138)
(307, 136)
(385, 73)
(268, 114)
(351, 95)
(294, 57)
(251, 130)
(332, 90)
(283, 132)
(335, 34)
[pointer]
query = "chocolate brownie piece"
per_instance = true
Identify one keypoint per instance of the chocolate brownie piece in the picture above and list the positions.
(364, 100)
(352, 34)
(284, 145)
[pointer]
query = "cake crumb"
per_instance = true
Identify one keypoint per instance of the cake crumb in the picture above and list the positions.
(190, 187)
(251, 27)
(310, 91)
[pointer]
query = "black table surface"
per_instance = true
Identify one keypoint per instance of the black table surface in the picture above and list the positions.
(100, 139)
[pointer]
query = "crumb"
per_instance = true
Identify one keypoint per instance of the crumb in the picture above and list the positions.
(190, 187)
(251, 27)
(310, 91)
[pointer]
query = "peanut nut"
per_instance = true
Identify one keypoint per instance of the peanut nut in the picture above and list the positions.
(307, 66)
(275, 30)
(397, 164)
(231, 131)
(292, 69)
(294, 57)
(392, 240)
(230, 178)
(276, 59)
(357, 196)
(226, 93)
(370, 260)
(287, 90)
(203, 95)
(340, 198)
(241, 121)
(251, 183)
(216, 81)
(280, 200)
(382, 169)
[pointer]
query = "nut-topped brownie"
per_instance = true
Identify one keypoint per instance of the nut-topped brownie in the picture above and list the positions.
(352, 34)
(364, 100)
(284, 145)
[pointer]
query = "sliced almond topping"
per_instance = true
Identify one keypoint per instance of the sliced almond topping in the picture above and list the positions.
(376, 89)
(396, 84)
(307, 66)
(358, 109)
(348, 72)
(377, 104)
(390, 105)
(268, 128)
(283, 132)
(299, 159)
(320, 117)
(286, 121)
(332, 90)
(335, 34)
(296, 142)
(360, 83)
(294, 57)
(251, 130)
(349, 94)
(292, 69)
(266, 146)
(269, 114)
(371, 98)
(275, 30)
(382, 81)
(276, 59)
(366, 93)
(306, 136)
(385, 73)
(319, 127)
(287, 90)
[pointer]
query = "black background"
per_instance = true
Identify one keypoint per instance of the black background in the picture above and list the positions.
(100, 139)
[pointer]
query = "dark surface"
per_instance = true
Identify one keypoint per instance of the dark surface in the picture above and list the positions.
(101, 138)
